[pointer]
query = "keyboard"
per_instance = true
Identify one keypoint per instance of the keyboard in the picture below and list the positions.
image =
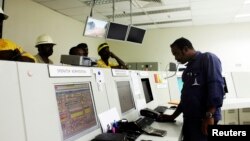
(153, 131)
(132, 136)
(145, 122)
(161, 109)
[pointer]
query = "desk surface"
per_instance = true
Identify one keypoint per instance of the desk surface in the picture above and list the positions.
(173, 130)
(235, 103)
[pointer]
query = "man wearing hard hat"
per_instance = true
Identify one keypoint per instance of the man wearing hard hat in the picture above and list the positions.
(44, 44)
(105, 54)
(9, 50)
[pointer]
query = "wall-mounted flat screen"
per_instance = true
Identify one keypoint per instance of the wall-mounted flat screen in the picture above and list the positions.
(117, 31)
(125, 96)
(95, 28)
(135, 34)
(76, 109)
(147, 90)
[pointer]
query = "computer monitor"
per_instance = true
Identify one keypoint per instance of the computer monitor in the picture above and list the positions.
(180, 84)
(95, 28)
(125, 96)
(147, 90)
(135, 34)
(77, 60)
(76, 109)
(117, 31)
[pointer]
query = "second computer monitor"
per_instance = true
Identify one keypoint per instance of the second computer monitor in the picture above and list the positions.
(125, 96)
(117, 31)
(147, 90)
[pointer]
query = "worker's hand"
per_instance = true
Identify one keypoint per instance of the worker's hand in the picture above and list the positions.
(205, 123)
(112, 54)
(12, 55)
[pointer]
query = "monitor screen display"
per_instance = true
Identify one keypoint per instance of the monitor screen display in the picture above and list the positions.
(147, 90)
(95, 28)
(135, 34)
(180, 84)
(76, 109)
(117, 31)
(125, 96)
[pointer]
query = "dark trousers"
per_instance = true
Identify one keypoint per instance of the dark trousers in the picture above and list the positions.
(191, 130)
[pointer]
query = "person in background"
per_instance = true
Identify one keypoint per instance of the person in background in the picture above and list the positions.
(105, 54)
(44, 44)
(11, 51)
(202, 92)
(85, 49)
(81, 50)
(76, 51)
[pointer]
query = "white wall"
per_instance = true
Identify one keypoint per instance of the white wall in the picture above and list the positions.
(230, 42)
(28, 19)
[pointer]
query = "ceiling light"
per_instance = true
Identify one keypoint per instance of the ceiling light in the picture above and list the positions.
(242, 16)
(247, 2)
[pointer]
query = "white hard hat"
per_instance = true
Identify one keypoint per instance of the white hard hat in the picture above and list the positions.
(4, 15)
(44, 39)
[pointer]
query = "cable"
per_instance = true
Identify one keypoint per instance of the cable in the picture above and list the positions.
(113, 7)
(92, 6)
(176, 70)
(130, 8)
(167, 77)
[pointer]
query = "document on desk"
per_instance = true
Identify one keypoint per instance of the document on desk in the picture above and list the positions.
(174, 102)
(107, 118)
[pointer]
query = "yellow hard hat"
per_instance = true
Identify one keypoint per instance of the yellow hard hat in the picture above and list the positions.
(102, 46)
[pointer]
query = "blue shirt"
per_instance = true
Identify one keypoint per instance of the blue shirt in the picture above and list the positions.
(202, 86)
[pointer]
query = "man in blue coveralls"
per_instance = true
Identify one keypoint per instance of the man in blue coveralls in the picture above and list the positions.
(202, 92)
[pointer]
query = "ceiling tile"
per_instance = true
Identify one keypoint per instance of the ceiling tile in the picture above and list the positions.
(211, 20)
(179, 24)
(76, 11)
(80, 18)
(214, 12)
(169, 13)
(210, 4)
(62, 4)
(171, 16)
(175, 3)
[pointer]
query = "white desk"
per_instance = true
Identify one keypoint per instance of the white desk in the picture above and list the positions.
(173, 130)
